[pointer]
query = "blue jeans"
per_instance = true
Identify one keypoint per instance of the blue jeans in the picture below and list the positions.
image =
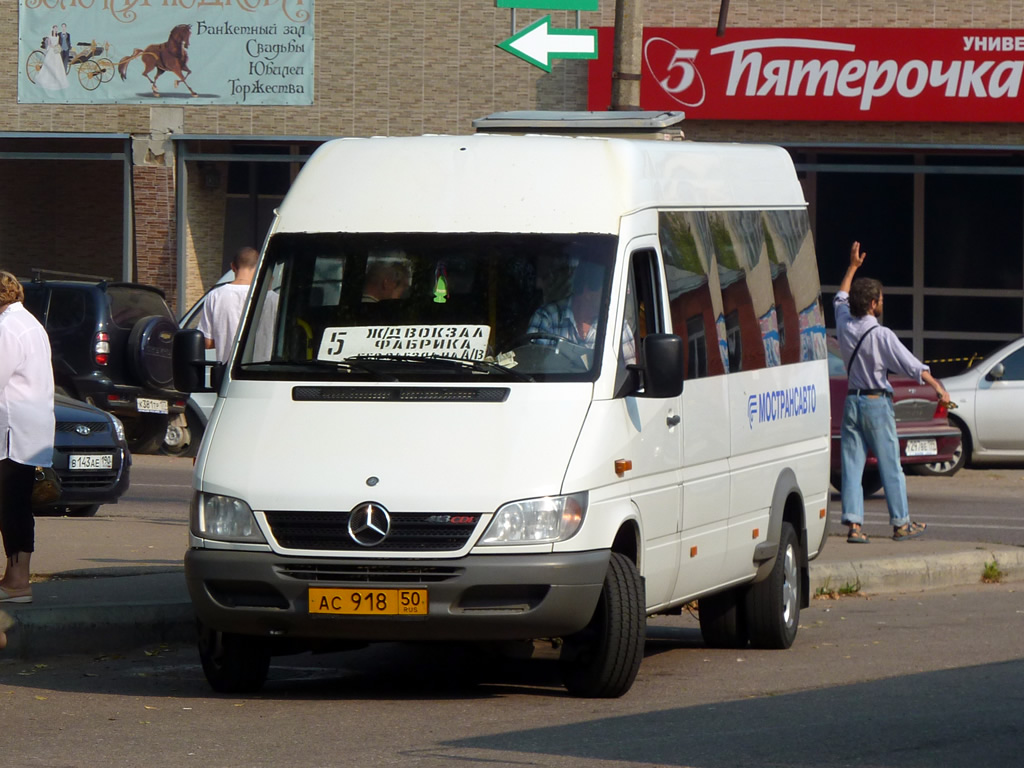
(869, 423)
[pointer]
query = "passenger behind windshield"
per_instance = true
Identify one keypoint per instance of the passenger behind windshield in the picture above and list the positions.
(388, 276)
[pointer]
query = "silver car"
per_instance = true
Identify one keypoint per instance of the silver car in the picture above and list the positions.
(990, 411)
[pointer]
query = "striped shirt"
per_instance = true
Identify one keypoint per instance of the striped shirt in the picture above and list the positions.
(881, 352)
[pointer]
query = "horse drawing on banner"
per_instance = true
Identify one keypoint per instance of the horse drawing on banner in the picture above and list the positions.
(171, 56)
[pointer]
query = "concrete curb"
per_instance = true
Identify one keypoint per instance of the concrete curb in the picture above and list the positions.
(915, 572)
(98, 629)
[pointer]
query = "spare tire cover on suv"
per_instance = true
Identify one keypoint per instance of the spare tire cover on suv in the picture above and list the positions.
(149, 351)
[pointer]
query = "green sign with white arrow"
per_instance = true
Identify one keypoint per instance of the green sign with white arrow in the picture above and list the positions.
(539, 43)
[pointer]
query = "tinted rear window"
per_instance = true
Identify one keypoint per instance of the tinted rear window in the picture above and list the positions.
(129, 305)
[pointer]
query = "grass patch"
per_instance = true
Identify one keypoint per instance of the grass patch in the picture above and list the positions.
(827, 592)
(992, 574)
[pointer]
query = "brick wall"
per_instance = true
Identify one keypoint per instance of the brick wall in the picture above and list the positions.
(155, 240)
(61, 215)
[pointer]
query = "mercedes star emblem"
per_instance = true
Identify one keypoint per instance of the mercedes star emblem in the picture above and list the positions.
(369, 524)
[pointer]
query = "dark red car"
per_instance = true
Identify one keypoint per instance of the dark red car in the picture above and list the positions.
(926, 436)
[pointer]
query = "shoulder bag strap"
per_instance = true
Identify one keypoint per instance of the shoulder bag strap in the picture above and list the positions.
(856, 349)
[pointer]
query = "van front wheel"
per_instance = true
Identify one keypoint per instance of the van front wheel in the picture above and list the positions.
(773, 605)
(233, 663)
(601, 660)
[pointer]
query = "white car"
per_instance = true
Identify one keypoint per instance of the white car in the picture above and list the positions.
(990, 410)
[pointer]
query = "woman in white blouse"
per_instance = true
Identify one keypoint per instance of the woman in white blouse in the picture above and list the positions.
(26, 431)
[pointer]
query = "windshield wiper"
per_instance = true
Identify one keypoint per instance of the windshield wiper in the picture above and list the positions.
(482, 366)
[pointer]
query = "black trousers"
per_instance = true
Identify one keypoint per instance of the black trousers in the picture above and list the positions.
(17, 525)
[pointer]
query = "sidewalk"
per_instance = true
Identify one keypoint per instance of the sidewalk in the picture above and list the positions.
(121, 596)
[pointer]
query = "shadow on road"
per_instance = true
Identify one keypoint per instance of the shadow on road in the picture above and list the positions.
(962, 717)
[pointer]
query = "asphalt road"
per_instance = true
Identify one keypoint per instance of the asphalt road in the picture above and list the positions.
(984, 505)
(907, 681)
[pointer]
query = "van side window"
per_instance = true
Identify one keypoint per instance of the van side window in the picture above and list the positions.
(752, 337)
(790, 251)
(695, 302)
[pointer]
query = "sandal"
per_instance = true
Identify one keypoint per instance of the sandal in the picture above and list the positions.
(857, 535)
(909, 530)
(19, 596)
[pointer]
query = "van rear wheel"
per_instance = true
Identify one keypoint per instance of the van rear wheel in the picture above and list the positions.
(601, 660)
(773, 605)
(233, 663)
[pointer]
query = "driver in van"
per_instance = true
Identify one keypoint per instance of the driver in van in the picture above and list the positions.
(575, 318)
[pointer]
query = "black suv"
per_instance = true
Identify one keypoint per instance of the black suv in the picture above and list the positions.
(111, 346)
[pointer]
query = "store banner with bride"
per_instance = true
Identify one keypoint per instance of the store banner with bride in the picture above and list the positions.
(127, 52)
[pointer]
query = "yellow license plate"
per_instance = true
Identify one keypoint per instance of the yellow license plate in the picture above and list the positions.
(368, 602)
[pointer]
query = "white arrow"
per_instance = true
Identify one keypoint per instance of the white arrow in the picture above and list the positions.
(539, 44)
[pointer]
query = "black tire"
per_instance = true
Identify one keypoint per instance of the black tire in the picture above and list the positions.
(773, 605)
(871, 481)
(233, 663)
(601, 661)
(723, 619)
(146, 432)
(182, 439)
(149, 352)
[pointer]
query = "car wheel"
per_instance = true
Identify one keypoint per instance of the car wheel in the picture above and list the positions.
(183, 436)
(145, 433)
(723, 619)
(773, 605)
(149, 351)
(233, 663)
(601, 660)
(871, 481)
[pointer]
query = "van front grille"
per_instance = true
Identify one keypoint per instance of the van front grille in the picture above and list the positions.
(410, 531)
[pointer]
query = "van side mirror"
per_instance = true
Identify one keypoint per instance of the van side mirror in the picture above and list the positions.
(188, 363)
(997, 372)
(663, 368)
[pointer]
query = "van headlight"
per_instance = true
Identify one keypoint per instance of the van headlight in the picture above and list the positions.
(224, 518)
(537, 521)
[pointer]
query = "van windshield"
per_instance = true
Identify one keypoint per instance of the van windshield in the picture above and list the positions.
(429, 307)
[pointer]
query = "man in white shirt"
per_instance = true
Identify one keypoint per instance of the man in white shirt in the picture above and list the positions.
(222, 309)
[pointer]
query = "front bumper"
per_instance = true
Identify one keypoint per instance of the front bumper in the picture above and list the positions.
(91, 486)
(479, 597)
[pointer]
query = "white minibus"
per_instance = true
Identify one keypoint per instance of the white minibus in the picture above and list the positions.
(516, 388)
